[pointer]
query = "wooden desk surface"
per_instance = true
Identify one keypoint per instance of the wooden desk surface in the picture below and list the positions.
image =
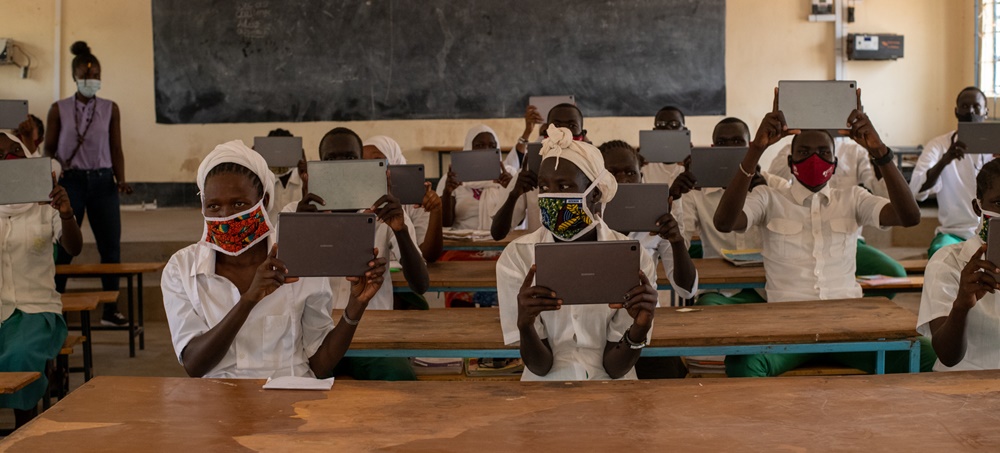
(97, 269)
(914, 266)
(867, 319)
(12, 381)
(80, 301)
(451, 243)
(941, 412)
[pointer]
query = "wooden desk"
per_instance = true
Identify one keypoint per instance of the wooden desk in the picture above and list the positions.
(850, 325)
(83, 303)
(914, 266)
(941, 412)
(128, 271)
(466, 244)
(12, 381)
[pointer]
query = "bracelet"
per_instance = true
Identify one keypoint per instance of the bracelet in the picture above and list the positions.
(522, 140)
(885, 159)
(71, 217)
(349, 321)
(745, 173)
(629, 342)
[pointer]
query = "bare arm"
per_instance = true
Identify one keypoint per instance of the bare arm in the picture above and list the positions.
(52, 131)
(531, 302)
(640, 303)
(117, 155)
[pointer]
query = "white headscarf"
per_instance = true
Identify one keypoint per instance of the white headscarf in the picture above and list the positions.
(238, 153)
(560, 145)
(389, 147)
(14, 209)
(475, 131)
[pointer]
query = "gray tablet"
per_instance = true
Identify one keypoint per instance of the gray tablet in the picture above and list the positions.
(665, 146)
(980, 138)
(533, 157)
(637, 207)
(25, 180)
(588, 272)
(814, 104)
(407, 183)
(348, 184)
(326, 244)
(477, 165)
(279, 151)
(716, 166)
(545, 103)
(12, 113)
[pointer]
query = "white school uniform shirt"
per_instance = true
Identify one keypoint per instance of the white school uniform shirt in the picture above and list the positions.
(281, 333)
(982, 328)
(385, 240)
(699, 207)
(810, 239)
(285, 194)
(661, 173)
(27, 268)
(577, 334)
(955, 187)
(467, 207)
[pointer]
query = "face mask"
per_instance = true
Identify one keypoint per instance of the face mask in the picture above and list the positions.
(11, 156)
(813, 171)
(235, 234)
(984, 222)
(567, 215)
(88, 87)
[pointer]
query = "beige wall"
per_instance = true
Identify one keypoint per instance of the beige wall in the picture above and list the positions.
(910, 100)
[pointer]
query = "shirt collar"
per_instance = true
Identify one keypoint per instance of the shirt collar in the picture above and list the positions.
(800, 192)
(969, 248)
(204, 257)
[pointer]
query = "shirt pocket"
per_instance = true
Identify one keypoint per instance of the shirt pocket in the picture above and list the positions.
(39, 240)
(841, 234)
(277, 338)
(785, 235)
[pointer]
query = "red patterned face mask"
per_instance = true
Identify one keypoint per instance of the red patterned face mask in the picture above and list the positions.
(235, 234)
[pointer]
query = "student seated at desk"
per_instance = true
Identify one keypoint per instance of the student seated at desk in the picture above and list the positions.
(426, 216)
(580, 342)
(522, 199)
(960, 306)
(287, 181)
(809, 229)
(32, 328)
(676, 174)
(945, 170)
(232, 313)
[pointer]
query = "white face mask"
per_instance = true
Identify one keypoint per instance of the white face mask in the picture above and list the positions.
(88, 87)
(567, 215)
(239, 232)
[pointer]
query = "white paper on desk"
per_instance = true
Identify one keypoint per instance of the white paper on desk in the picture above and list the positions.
(298, 383)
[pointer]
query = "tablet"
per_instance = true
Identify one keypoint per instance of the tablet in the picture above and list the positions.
(407, 183)
(815, 104)
(25, 180)
(533, 157)
(348, 184)
(665, 146)
(637, 207)
(545, 103)
(12, 113)
(716, 166)
(477, 165)
(326, 244)
(279, 151)
(588, 272)
(980, 138)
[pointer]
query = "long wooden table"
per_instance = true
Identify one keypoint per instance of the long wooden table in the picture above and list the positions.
(12, 381)
(849, 325)
(127, 271)
(940, 412)
(713, 274)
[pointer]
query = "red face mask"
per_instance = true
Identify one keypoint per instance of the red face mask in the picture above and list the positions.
(814, 171)
(11, 156)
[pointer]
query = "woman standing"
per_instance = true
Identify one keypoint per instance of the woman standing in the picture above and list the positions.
(84, 135)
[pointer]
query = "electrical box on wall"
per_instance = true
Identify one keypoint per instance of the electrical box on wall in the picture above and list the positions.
(6, 51)
(874, 47)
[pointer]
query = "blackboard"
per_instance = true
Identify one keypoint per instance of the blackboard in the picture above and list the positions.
(226, 61)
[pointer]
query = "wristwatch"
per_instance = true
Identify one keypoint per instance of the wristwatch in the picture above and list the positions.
(522, 140)
(632, 345)
(885, 159)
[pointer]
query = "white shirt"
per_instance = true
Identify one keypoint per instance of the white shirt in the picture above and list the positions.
(577, 334)
(661, 173)
(282, 332)
(467, 207)
(982, 328)
(810, 239)
(955, 187)
(699, 208)
(285, 194)
(27, 268)
(853, 167)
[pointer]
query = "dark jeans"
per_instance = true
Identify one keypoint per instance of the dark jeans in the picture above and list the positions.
(95, 192)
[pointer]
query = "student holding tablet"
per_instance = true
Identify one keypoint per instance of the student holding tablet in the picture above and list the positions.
(809, 229)
(232, 312)
(681, 181)
(945, 170)
(32, 329)
(572, 342)
(960, 305)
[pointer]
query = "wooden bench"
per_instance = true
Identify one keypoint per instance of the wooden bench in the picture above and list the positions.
(12, 381)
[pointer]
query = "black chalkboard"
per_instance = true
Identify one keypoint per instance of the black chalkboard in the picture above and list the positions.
(224, 61)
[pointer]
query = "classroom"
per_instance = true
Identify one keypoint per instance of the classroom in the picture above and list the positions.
(697, 225)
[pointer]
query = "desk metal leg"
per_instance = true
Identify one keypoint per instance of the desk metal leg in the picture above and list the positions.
(915, 356)
(131, 319)
(142, 329)
(880, 361)
(88, 353)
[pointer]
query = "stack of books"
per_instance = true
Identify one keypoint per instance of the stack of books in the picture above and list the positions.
(426, 366)
(744, 258)
(494, 367)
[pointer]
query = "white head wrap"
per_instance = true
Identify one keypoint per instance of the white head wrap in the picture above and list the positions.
(29, 154)
(389, 147)
(238, 153)
(471, 135)
(560, 145)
